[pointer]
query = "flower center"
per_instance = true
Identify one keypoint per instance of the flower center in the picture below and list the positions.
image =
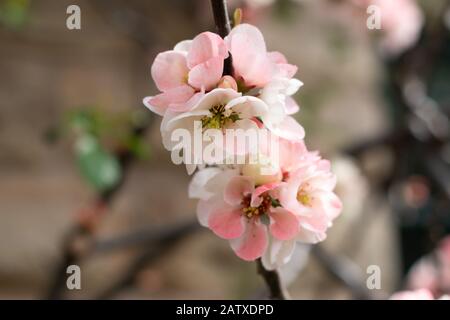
(304, 198)
(250, 211)
(219, 117)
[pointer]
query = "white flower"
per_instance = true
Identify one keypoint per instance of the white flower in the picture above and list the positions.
(277, 95)
(219, 110)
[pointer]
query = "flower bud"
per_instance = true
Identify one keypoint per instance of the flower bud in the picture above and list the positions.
(227, 82)
(263, 171)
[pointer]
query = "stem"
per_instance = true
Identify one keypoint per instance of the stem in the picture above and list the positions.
(221, 18)
(273, 281)
(223, 27)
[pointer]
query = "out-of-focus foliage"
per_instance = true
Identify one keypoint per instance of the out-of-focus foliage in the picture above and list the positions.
(100, 137)
(14, 13)
(98, 166)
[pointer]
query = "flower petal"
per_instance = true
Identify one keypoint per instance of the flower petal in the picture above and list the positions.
(278, 253)
(169, 70)
(253, 243)
(183, 46)
(288, 129)
(197, 186)
(284, 225)
(284, 68)
(206, 76)
(248, 107)
(237, 188)
(227, 222)
(175, 99)
(216, 97)
(291, 106)
(204, 208)
(155, 104)
(205, 46)
(250, 60)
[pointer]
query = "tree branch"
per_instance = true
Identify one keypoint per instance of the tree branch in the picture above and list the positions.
(273, 281)
(79, 232)
(223, 27)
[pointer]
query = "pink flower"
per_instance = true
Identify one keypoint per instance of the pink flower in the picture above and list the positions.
(263, 215)
(242, 212)
(307, 192)
(252, 64)
(191, 68)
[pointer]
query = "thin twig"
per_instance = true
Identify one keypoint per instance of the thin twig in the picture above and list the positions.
(162, 242)
(78, 232)
(273, 281)
(223, 27)
(147, 237)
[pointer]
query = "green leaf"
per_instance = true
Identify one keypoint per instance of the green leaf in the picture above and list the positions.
(99, 167)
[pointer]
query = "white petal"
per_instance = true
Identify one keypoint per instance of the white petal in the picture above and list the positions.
(183, 46)
(199, 180)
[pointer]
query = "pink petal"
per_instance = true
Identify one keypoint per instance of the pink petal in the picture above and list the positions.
(284, 225)
(255, 38)
(227, 223)
(237, 188)
(188, 105)
(174, 99)
(169, 70)
(156, 105)
(205, 46)
(277, 57)
(206, 76)
(334, 206)
(284, 68)
(253, 242)
(250, 60)
(289, 129)
(318, 221)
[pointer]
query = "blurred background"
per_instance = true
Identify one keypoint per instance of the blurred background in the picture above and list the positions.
(84, 178)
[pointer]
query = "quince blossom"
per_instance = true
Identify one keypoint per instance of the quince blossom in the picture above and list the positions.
(266, 219)
(182, 74)
(265, 207)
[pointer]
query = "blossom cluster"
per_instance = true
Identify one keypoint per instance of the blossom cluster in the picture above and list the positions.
(263, 207)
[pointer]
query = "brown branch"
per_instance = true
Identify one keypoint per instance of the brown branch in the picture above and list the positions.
(81, 233)
(273, 281)
(223, 27)
(158, 244)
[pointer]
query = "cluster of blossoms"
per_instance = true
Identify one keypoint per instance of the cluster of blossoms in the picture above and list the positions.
(262, 207)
